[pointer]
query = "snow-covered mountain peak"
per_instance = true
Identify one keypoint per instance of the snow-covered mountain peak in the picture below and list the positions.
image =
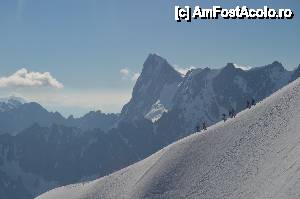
(160, 88)
(243, 67)
(194, 72)
(158, 81)
(11, 102)
(13, 98)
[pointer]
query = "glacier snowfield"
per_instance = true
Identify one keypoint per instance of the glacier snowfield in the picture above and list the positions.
(255, 155)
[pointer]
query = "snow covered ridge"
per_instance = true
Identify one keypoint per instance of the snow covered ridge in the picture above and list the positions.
(11, 102)
(202, 94)
(255, 155)
(13, 99)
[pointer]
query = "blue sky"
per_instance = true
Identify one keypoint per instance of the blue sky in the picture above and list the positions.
(85, 43)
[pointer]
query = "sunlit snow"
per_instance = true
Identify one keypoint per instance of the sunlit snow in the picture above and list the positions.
(255, 155)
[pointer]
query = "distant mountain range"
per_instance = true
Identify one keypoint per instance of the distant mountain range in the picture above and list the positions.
(163, 96)
(16, 115)
(40, 150)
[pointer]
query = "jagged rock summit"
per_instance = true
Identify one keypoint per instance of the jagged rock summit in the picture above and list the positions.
(153, 92)
(163, 95)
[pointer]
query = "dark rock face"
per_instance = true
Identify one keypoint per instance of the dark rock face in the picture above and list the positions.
(156, 74)
(296, 73)
(40, 158)
(13, 188)
(61, 155)
(203, 94)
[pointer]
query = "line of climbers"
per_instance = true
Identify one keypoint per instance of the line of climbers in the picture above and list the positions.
(231, 114)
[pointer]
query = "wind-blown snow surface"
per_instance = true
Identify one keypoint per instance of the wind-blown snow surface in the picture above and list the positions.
(255, 155)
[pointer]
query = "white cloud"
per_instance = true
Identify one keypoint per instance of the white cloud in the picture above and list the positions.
(126, 74)
(25, 78)
(135, 76)
(183, 70)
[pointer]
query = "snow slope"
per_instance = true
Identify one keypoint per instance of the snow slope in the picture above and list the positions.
(255, 155)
